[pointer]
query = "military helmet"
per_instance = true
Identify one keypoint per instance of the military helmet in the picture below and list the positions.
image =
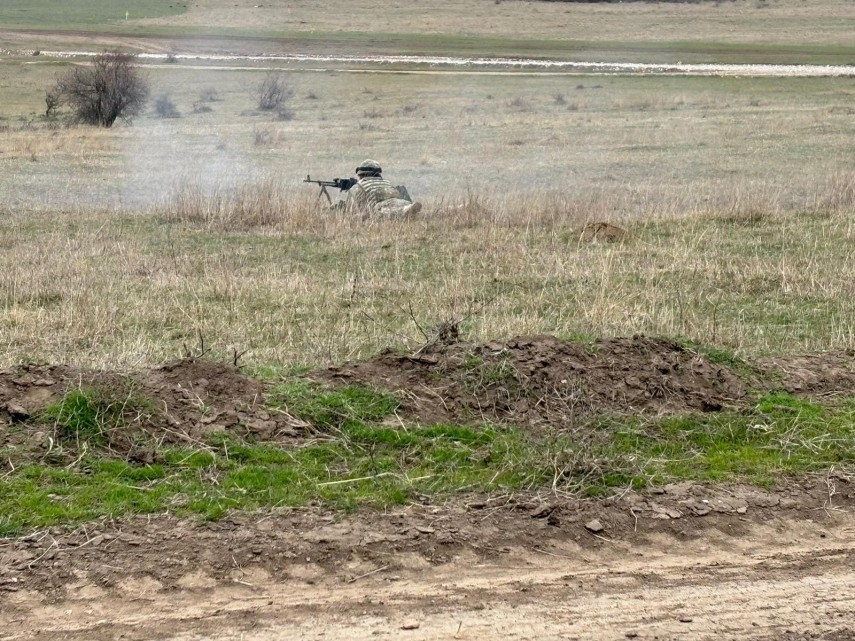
(369, 168)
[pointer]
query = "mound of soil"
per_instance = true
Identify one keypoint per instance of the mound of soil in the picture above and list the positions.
(528, 381)
(179, 403)
(543, 380)
(819, 374)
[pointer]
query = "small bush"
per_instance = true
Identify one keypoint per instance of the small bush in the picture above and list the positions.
(53, 99)
(262, 137)
(273, 92)
(201, 108)
(209, 94)
(165, 108)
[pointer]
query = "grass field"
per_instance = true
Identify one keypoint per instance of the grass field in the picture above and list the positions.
(122, 243)
(783, 31)
(121, 247)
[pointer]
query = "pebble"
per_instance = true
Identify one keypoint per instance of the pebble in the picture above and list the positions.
(594, 526)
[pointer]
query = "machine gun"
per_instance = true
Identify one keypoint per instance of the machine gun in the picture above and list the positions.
(342, 184)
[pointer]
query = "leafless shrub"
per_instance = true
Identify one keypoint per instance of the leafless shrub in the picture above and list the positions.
(111, 87)
(165, 108)
(209, 94)
(201, 108)
(263, 136)
(519, 104)
(53, 99)
(273, 91)
(171, 58)
(559, 99)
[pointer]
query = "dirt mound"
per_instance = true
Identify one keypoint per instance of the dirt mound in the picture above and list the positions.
(179, 403)
(544, 380)
(826, 373)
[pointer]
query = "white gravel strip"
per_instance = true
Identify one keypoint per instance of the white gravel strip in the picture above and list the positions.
(679, 68)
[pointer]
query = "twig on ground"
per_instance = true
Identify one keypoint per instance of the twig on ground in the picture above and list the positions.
(362, 576)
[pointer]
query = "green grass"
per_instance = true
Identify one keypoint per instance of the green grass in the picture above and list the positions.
(333, 408)
(88, 414)
(43, 14)
(780, 435)
(366, 463)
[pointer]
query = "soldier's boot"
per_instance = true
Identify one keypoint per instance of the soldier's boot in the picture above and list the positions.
(412, 210)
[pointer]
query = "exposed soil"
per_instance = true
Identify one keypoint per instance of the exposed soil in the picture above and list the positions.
(686, 563)
(179, 403)
(816, 374)
(531, 382)
(541, 380)
(681, 562)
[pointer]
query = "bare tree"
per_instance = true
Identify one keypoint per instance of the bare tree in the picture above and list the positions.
(111, 87)
(273, 92)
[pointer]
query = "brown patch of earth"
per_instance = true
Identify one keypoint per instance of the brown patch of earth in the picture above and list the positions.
(527, 381)
(687, 562)
(179, 403)
(542, 380)
(823, 374)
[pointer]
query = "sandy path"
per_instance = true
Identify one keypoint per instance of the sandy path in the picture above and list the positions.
(782, 579)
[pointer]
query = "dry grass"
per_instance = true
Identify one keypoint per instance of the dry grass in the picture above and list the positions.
(260, 270)
(119, 247)
(785, 22)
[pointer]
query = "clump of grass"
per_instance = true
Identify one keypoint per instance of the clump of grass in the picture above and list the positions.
(333, 408)
(481, 375)
(720, 356)
(264, 204)
(87, 415)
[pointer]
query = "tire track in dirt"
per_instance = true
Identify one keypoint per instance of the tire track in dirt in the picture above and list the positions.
(772, 581)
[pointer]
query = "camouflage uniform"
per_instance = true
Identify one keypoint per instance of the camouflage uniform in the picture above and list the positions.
(375, 195)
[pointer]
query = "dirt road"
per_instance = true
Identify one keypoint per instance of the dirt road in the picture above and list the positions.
(734, 563)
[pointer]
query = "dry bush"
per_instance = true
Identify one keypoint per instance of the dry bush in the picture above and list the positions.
(274, 92)
(111, 87)
(164, 107)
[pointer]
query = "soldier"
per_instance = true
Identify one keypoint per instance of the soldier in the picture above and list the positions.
(373, 194)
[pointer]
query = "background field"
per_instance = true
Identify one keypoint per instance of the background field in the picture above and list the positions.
(122, 245)
(743, 31)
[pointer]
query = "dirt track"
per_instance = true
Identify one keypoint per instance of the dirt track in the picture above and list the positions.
(757, 566)
(683, 561)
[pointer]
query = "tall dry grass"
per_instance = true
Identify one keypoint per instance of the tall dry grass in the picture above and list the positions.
(292, 282)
